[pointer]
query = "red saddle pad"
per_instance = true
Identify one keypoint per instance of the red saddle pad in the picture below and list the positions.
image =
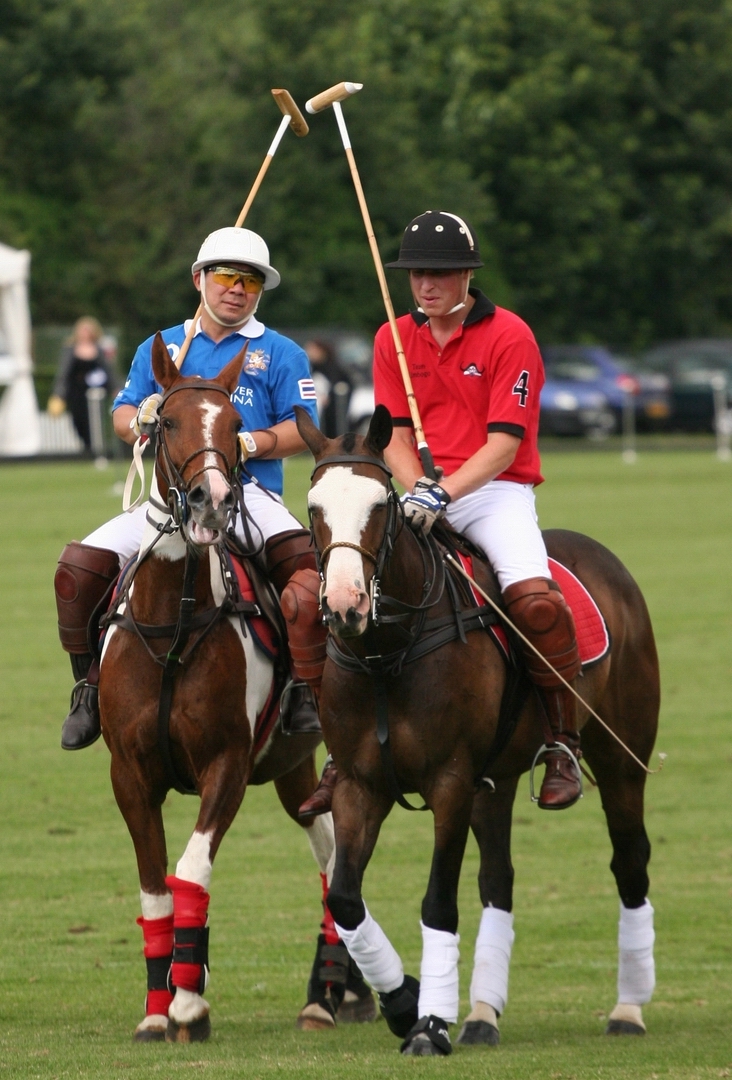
(593, 637)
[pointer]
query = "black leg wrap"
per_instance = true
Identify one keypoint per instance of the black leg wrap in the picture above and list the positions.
(399, 1007)
(158, 972)
(437, 1037)
(329, 977)
(190, 946)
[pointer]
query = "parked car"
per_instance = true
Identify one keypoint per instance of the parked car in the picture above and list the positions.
(586, 389)
(692, 368)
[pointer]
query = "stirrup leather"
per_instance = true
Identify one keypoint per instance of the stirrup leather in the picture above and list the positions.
(539, 757)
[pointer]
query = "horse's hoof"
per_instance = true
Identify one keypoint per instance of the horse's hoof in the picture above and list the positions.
(315, 1017)
(198, 1031)
(624, 1027)
(150, 1035)
(151, 1029)
(478, 1033)
(428, 1038)
(357, 1010)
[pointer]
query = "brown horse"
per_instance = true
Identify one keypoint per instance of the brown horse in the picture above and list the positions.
(180, 691)
(407, 706)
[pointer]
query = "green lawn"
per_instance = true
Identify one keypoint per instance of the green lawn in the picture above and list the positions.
(72, 974)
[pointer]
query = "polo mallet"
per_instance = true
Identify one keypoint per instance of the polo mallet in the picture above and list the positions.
(334, 96)
(291, 117)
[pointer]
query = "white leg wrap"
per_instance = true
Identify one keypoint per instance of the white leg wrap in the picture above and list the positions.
(322, 843)
(492, 959)
(439, 988)
(636, 968)
(374, 953)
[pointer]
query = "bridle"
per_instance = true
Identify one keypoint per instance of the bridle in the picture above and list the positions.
(178, 487)
(392, 528)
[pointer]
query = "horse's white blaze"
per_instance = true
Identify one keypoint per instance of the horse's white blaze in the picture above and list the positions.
(195, 862)
(258, 668)
(346, 502)
(217, 483)
(322, 844)
(154, 906)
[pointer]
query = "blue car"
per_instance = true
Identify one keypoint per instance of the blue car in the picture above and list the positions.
(587, 388)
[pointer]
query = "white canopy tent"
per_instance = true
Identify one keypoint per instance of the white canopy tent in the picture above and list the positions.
(20, 426)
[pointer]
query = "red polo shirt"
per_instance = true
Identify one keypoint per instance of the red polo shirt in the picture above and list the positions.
(487, 378)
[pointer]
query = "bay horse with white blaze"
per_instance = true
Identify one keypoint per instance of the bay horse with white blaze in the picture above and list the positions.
(407, 706)
(181, 688)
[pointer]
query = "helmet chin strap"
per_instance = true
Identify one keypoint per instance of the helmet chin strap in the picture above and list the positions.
(455, 307)
(222, 322)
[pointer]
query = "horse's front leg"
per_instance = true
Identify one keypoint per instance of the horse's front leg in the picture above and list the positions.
(451, 799)
(358, 813)
(140, 802)
(222, 790)
(336, 988)
(491, 825)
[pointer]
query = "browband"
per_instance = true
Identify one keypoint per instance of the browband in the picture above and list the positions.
(194, 383)
(352, 459)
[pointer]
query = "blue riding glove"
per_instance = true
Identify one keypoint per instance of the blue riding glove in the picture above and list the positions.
(425, 504)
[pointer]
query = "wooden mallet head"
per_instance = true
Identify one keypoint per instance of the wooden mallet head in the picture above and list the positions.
(287, 107)
(339, 92)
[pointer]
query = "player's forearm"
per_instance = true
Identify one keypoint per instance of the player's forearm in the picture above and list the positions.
(279, 441)
(121, 418)
(401, 458)
(486, 464)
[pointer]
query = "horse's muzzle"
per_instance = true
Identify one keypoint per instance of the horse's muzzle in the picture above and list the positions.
(350, 625)
(211, 502)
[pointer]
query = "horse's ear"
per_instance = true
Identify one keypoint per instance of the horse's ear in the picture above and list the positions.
(312, 436)
(164, 370)
(380, 430)
(229, 376)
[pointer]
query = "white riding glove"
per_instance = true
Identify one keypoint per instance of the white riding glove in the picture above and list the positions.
(146, 420)
(247, 445)
(425, 504)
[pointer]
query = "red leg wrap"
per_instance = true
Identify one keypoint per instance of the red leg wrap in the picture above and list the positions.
(190, 912)
(305, 631)
(158, 945)
(328, 925)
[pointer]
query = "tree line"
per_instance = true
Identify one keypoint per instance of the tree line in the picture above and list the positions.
(587, 141)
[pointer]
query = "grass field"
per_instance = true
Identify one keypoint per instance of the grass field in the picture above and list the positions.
(71, 970)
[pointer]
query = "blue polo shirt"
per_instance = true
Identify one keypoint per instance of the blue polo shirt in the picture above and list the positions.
(275, 377)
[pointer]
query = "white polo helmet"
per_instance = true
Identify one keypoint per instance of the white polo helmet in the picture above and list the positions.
(232, 245)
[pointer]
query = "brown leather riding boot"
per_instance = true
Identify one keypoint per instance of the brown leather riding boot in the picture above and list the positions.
(538, 609)
(83, 576)
(291, 566)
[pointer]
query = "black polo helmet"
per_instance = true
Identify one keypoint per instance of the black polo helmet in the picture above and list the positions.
(437, 240)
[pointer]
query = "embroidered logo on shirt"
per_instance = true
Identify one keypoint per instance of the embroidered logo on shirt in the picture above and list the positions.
(473, 369)
(521, 389)
(243, 395)
(173, 350)
(257, 362)
(307, 389)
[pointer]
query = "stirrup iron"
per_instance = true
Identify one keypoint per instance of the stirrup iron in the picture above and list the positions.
(539, 757)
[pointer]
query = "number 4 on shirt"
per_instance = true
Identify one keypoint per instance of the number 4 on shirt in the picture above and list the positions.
(521, 389)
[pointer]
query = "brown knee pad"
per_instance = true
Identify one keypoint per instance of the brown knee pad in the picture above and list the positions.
(541, 613)
(287, 552)
(83, 575)
(305, 631)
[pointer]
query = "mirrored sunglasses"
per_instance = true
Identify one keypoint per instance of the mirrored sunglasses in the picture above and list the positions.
(228, 277)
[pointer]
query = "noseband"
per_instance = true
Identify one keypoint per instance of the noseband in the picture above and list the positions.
(178, 487)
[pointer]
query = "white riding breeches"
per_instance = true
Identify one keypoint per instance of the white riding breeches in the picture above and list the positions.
(123, 534)
(500, 518)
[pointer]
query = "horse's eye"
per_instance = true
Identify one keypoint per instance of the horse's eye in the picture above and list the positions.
(168, 423)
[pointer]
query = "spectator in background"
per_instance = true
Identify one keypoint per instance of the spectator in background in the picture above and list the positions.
(327, 374)
(82, 367)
